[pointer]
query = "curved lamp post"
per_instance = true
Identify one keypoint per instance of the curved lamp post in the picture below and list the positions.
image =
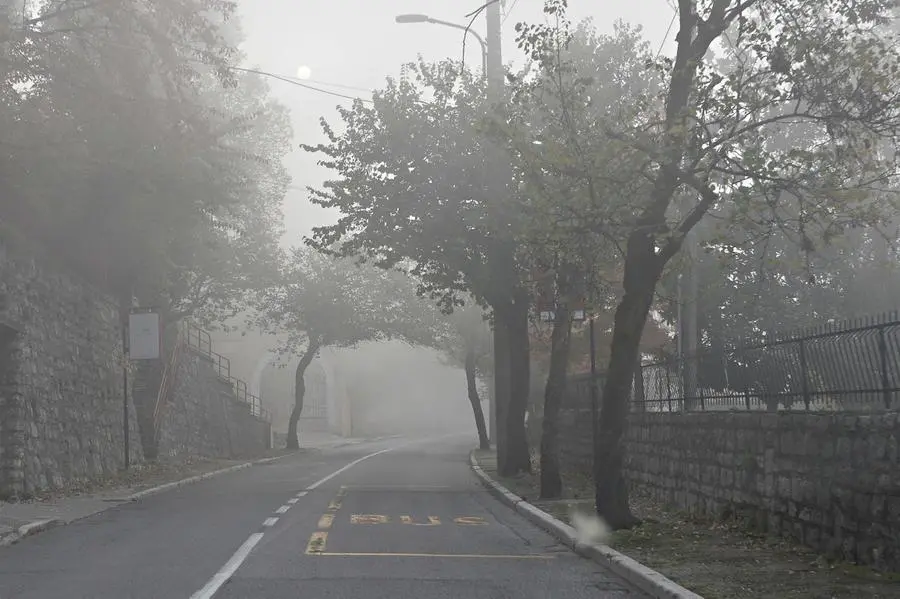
(417, 18)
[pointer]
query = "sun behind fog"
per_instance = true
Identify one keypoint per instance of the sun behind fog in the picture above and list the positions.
(304, 72)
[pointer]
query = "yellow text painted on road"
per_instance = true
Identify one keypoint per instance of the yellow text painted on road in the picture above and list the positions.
(432, 521)
(326, 521)
(369, 519)
(316, 543)
(470, 521)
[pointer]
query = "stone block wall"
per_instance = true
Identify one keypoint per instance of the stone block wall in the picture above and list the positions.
(61, 383)
(831, 481)
(205, 418)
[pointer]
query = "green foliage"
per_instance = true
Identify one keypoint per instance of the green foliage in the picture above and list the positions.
(465, 330)
(324, 301)
(133, 151)
(410, 183)
(578, 184)
(780, 130)
(769, 288)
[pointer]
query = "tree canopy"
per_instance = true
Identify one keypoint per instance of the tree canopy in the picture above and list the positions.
(772, 115)
(135, 151)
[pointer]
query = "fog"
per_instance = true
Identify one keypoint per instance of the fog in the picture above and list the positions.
(352, 46)
(392, 389)
(349, 47)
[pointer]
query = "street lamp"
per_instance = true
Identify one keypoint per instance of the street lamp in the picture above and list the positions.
(417, 18)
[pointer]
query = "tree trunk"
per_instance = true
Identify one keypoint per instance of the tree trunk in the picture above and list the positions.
(483, 441)
(642, 270)
(551, 480)
(501, 382)
(293, 441)
(518, 457)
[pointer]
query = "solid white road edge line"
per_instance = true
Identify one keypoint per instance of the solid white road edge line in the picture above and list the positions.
(322, 481)
(229, 568)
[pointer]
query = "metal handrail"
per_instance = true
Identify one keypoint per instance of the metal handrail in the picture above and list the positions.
(167, 383)
(201, 341)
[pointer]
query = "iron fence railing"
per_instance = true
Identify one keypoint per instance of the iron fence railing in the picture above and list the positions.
(851, 365)
(201, 342)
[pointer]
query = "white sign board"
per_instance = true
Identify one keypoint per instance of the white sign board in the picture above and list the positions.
(143, 336)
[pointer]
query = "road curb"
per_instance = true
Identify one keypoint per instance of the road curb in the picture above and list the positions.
(647, 580)
(27, 530)
(39, 526)
(204, 476)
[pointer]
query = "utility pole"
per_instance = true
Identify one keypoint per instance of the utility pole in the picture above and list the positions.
(494, 53)
(502, 374)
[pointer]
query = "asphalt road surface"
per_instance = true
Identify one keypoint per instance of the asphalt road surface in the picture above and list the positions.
(397, 519)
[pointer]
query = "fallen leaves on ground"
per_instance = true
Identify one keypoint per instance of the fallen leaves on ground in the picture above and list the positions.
(716, 559)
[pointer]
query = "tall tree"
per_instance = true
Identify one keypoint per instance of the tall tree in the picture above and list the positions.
(464, 338)
(785, 127)
(410, 185)
(557, 153)
(323, 301)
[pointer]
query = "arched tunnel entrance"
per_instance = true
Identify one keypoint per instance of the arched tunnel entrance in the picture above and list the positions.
(376, 389)
(275, 384)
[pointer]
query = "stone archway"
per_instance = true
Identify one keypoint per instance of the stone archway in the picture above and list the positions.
(326, 405)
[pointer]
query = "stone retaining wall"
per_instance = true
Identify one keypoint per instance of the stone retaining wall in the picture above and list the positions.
(61, 416)
(205, 417)
(830, 481)
(61, 385)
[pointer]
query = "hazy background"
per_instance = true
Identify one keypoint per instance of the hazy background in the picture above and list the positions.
(357, 44)
(350, 47)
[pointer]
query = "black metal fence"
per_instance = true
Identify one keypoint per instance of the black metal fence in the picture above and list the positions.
(201, 342)
(851, 365)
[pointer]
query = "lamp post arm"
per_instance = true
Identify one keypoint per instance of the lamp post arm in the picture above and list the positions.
(484, 48)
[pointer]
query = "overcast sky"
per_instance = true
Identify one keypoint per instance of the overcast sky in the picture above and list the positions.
(356, 44)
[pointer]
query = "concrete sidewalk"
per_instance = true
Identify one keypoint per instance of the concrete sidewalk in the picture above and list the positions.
(22, 519)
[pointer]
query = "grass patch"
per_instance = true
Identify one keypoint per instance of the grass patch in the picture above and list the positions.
(716, 559)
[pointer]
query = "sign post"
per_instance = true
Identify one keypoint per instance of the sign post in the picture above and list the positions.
(141, 340)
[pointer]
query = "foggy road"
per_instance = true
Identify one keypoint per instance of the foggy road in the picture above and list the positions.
(387, 520)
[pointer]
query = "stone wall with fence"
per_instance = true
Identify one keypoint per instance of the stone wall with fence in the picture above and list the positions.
(799, 437)
(205, 417)
(828, 480)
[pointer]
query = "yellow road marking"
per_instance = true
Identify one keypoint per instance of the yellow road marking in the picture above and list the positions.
(368, 519)
(326, 521)
(316, 543)
(432, 521)
(438, 555)
(470, 521)
(335, 505)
